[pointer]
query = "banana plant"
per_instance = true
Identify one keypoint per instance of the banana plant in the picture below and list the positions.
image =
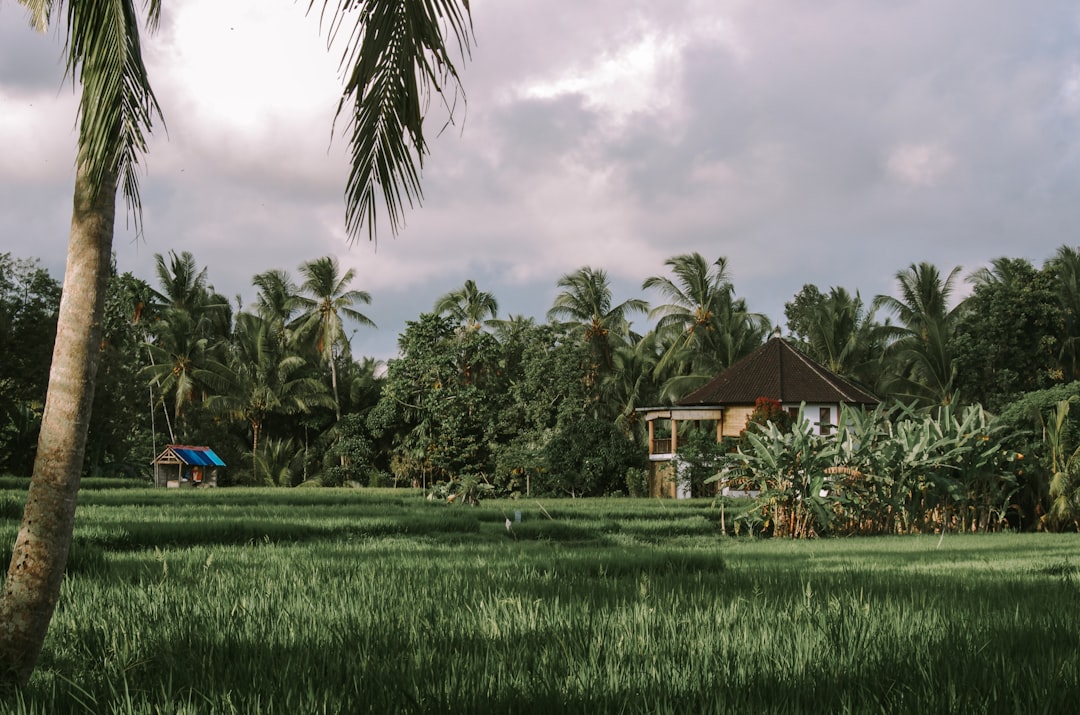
(1065, 482)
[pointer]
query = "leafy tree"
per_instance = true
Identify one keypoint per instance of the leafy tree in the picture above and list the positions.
(119, 441)
(390, 78)
(29, 300)
(547, 367)
(349, 458)
(441, 398)
(699, 457)
(799, 313)
(544, 368)
(589, 457)
(1007, 334)
(1065, 267)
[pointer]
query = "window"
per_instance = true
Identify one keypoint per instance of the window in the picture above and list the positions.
(824, 420)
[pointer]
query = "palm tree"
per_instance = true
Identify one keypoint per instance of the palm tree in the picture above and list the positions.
(920, 359)
(631, 383)
(260, 381)
(398, 51)
(327, 302)
(703, 327)
(468, 305)
(183, 363)
(183, 285)
(1066, 267)
(586, 301)
(843, 335)
(187, 308)
(277, 302)
(1002, 271)
(115, 111)
(280, 462)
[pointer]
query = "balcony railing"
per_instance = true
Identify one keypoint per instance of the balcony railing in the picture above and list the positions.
(661, 446)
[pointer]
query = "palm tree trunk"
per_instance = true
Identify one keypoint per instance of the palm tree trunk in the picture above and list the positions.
(256, 427)
(32, 586)
(333, 384)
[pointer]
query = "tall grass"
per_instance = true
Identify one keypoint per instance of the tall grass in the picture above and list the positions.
(247, 602)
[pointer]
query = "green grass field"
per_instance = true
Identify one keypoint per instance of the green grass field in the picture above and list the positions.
(312, 601)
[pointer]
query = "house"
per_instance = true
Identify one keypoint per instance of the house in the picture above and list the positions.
(194, 466)
(777, 371)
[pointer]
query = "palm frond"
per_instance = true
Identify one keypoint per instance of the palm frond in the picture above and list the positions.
(118, 105)
(396, 55)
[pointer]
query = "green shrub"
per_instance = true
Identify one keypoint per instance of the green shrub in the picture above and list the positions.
(637, 481)
(589, 458)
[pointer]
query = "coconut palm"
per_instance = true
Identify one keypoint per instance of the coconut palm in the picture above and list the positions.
(703, 327)
(1066, 267)
(115, 112)
(327, 301)
(586, 301)
(920, 359)
(183, 365)
(631, 383)
(843, 335)
(183, 285)
(187, 299)
(260, 381)
(468, 305)
(396, 54)
(277, 302)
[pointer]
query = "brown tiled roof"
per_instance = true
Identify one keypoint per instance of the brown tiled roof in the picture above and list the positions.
(778, 371)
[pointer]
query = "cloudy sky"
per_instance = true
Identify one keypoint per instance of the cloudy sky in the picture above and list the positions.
(832, 142)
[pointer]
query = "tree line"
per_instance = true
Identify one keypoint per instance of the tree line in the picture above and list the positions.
(505, 403)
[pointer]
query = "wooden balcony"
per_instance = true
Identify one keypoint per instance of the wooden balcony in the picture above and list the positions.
(660, 445)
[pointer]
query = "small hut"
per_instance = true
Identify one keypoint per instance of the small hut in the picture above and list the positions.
(183, 465)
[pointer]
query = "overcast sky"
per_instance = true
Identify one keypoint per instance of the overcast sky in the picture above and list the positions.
(833, 142)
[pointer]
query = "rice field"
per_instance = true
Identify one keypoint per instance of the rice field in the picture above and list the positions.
(356, 601)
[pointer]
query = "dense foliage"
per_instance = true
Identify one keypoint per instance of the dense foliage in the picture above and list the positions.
(516, 406)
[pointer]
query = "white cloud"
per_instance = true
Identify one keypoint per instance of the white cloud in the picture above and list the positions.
(639, 74)
(1069, 93)
(36, 145)
(920, 164)
(245, 76)
(607, 133)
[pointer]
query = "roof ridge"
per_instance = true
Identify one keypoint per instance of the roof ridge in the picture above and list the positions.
(780, 365)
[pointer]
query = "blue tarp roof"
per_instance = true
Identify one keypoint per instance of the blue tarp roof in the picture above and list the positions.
(198, 456)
